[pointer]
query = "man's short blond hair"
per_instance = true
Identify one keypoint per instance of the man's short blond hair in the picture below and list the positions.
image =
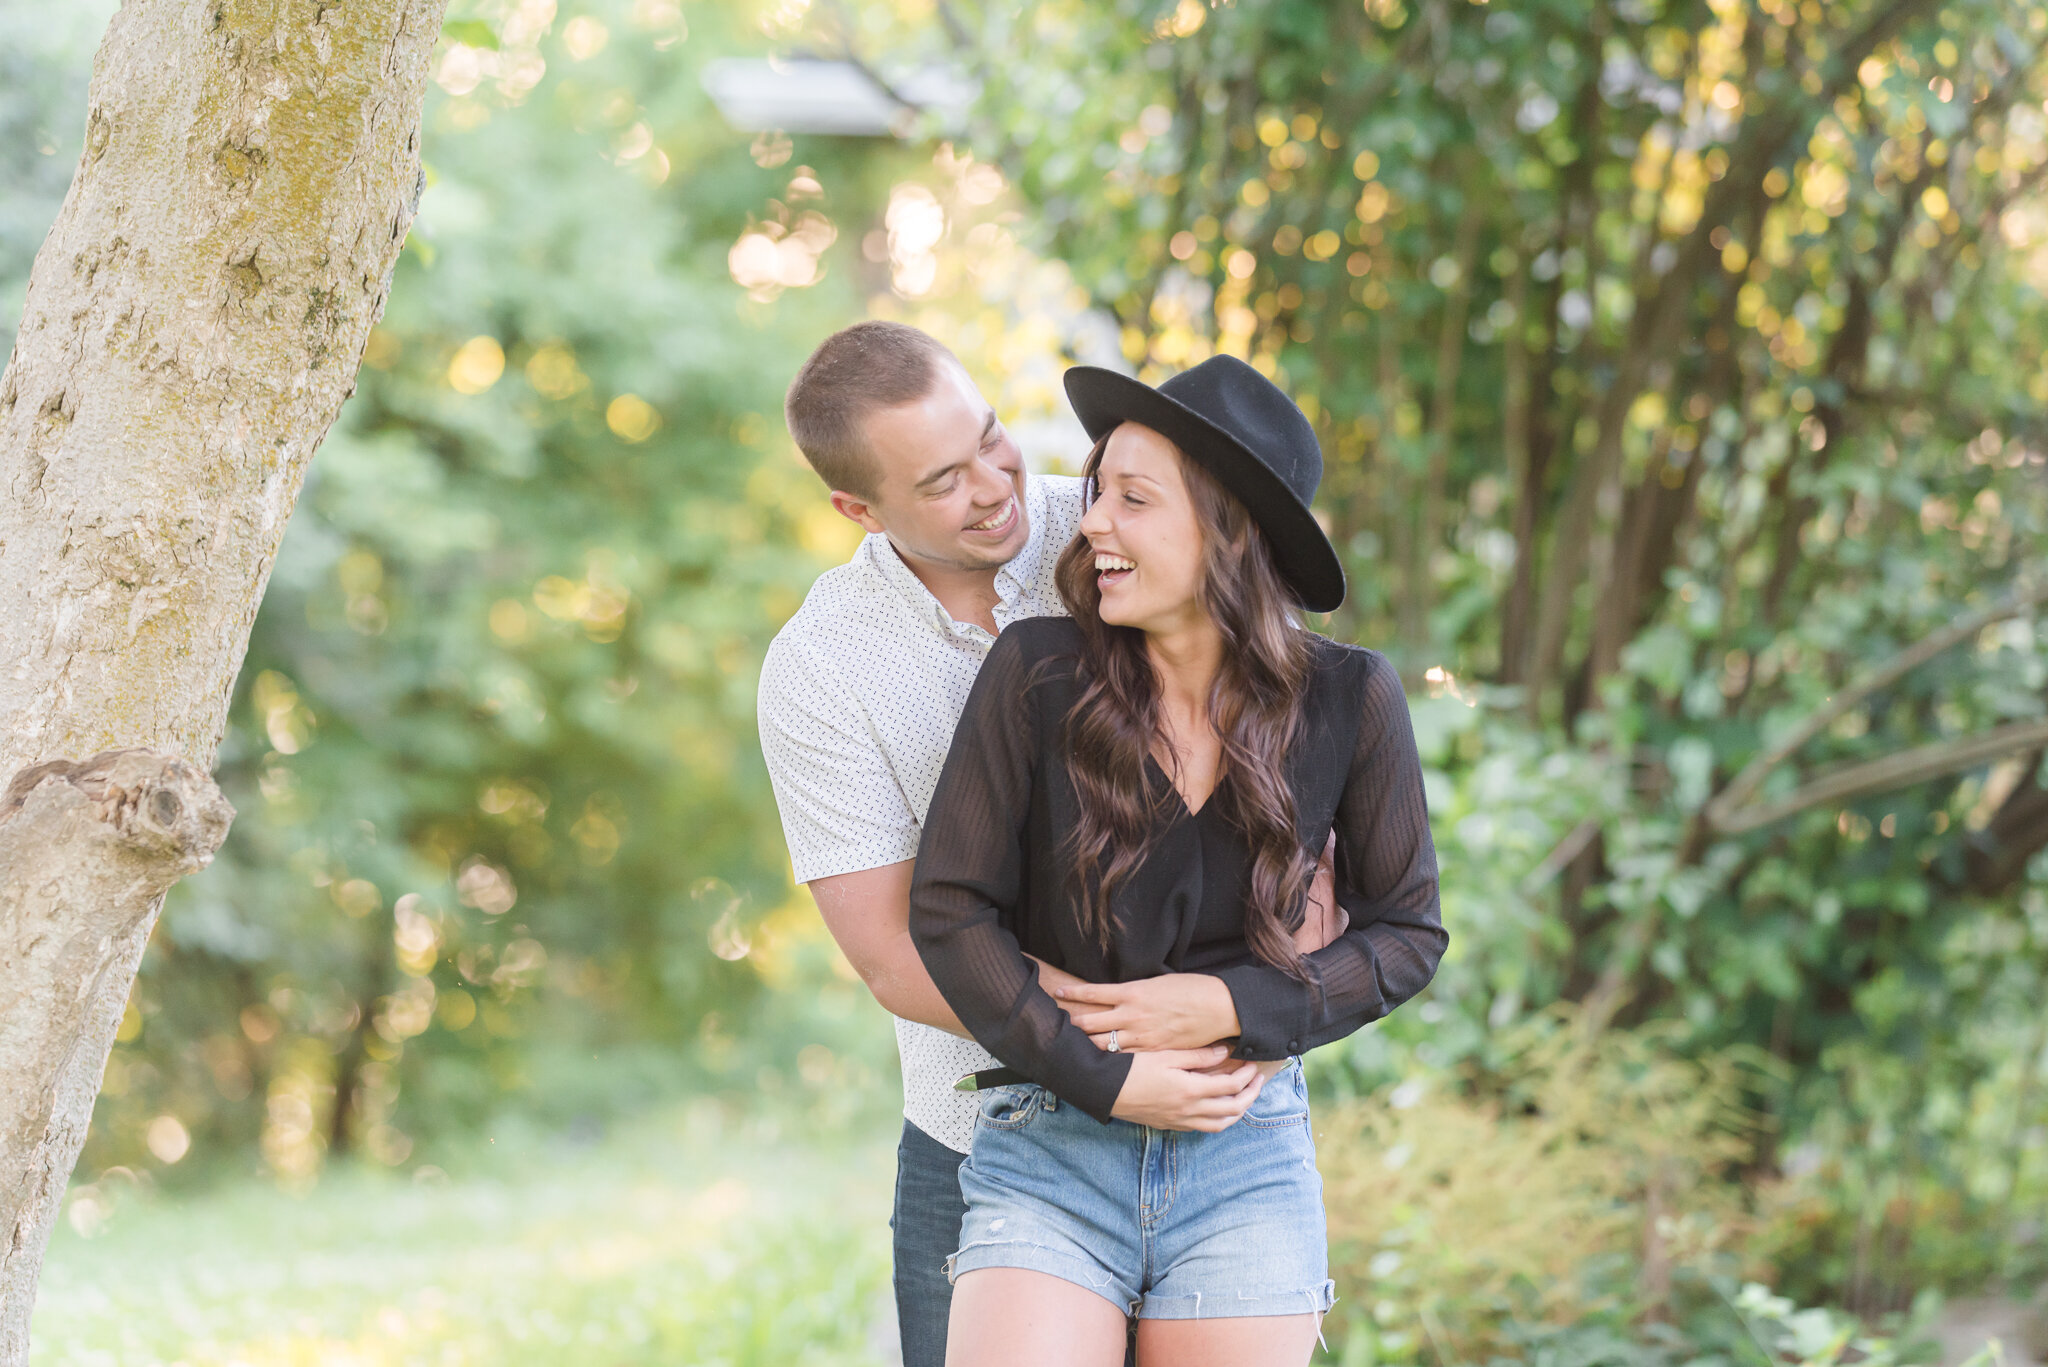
(852, 373)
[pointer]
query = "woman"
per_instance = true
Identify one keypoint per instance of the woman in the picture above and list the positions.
(1139, 791)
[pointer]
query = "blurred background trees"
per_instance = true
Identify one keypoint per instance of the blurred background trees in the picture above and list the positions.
(1677, 365)
(493, 745)
(1678, 369)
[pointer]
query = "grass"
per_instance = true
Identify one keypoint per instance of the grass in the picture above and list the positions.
(694, 1236)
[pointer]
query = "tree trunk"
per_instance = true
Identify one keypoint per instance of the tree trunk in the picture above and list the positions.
(86, 852)
(1532, 499)
(193, 323)
(1450, 355)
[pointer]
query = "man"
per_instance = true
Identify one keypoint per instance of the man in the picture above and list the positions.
(860, 693)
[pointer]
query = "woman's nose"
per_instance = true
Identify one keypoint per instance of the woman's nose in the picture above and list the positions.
(1096, 513)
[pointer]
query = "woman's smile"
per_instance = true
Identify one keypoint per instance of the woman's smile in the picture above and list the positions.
(1141, 534)
(1111, 570)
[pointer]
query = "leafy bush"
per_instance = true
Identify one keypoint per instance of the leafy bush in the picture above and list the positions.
(1581, 1177)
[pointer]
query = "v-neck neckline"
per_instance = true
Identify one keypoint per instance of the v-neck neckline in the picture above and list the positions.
(1192, 813)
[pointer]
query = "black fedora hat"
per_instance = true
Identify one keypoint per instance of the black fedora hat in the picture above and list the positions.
(1243, 430)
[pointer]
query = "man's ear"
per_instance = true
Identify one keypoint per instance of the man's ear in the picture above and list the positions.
(857, 511)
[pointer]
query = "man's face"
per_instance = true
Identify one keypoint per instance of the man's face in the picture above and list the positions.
(949, 482)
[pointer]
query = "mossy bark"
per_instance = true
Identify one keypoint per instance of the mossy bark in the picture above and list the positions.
(193, 323)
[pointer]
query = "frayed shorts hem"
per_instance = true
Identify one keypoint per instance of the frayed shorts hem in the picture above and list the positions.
(1241, 1305)
(1053, 1262)
(1090, 1276)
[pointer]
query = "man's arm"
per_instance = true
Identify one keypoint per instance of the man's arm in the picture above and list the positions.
(868, 914)
(851, 832)
(1188, 1010)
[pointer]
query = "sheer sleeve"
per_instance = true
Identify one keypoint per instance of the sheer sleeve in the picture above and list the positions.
(1386, 881)
(970, 876)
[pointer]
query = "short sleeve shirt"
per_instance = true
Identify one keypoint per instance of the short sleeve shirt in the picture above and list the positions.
(860, 693)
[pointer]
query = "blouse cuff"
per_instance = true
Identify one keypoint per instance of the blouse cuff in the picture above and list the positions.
(1096, 1083)
(1273, 1017)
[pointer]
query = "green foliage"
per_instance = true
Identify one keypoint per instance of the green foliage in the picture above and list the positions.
(1674, 363)
(493, 744)
(1577, 1177)
(45, 57)
(1723, 1324)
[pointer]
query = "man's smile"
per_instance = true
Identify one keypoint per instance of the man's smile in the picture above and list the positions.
(999, 521)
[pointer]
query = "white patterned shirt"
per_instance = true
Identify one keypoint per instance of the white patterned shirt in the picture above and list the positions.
(860, 693)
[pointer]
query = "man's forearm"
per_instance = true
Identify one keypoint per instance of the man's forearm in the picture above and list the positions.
(904, 987)
(867, 913)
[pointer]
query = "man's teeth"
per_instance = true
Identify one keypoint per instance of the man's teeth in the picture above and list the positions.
(1113, 562)
(989, 524)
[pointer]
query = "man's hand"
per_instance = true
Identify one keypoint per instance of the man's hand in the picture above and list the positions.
(1186, 1010)
(1267, 1067)
(1323, 920)
(1181, 1089)
(1053, 979)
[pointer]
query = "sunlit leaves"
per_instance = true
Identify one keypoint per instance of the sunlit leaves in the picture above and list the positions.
(769, 257)
(553, 372)
(631, 418)
(496, 700)
(476, 366)
(1745, 282)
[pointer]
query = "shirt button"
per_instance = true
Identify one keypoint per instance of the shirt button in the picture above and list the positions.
(1294, 1046)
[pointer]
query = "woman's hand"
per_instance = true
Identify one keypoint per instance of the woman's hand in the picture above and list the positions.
(1171, 1011)
(1185, 1010)
(1184, 1089)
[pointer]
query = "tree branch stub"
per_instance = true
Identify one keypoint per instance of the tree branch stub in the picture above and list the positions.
(87, 851)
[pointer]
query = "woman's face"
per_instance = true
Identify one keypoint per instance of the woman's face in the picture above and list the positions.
(1145, 534)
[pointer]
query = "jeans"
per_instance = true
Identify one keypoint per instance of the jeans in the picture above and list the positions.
(927, 1228)
(926, 1223)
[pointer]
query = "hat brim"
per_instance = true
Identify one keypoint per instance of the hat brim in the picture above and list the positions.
(1302, 553)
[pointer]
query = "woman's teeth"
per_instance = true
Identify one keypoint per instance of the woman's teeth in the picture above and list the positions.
(995, 522)
(1112, 569)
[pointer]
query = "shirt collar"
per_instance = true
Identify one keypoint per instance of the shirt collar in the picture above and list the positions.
(1012, 580)
(1021, 570)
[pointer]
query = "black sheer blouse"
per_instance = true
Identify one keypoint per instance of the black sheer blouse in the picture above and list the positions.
(991, 884)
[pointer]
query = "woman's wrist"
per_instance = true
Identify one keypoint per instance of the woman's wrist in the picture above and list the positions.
(1221, 1008)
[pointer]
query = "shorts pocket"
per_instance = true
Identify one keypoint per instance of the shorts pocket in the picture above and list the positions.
(1282, 1103)
(1009, 1108)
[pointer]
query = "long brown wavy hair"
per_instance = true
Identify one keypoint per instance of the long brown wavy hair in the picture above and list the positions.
(1255, 708)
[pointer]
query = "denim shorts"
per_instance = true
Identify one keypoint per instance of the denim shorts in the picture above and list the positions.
(1163, 1224)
